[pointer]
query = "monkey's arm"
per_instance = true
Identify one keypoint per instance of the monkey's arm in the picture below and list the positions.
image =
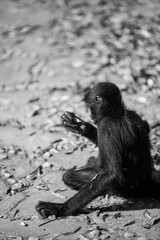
(77, 125)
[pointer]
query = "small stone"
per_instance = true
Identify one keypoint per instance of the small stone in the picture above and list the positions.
(104, 236)
(46, 165)
(150, 83)
(77, 64)
(3, 156)
(52, 111)
(46, 155)
(65, 98)
(35, 217)
(51, 73)
(20, 152)
(11, 152)
(49, 238)
(94, 234)
(24, 224)
(33, 238)
(81, 237)
(52, 151)
(141, 238)
(31, 157)
(128, 235)
(142, 100)
(2, 151)
(18, 238)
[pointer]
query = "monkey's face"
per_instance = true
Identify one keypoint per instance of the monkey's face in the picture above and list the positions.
(103, 100)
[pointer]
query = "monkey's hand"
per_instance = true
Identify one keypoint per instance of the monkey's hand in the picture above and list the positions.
(74, 124)
(46, 209)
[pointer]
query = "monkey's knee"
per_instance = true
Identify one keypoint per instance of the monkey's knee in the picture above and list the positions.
(68, 177)
(72, 179)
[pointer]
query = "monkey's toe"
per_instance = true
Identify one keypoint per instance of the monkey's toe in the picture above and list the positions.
(46, 209)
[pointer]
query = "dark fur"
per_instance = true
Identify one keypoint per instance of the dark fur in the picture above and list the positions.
(123, 165)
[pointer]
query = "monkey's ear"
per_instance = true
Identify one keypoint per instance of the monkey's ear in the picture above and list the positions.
(98, 99)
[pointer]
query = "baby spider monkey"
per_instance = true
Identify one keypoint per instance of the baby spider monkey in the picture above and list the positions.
(123, 165)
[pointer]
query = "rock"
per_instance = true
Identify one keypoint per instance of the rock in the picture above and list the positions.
(33, 238)
(46, 155)
(24, 224)
(142, 100)
(94, 234)
(141, 238)
(104, 236)
(46, 165)
(128, 235)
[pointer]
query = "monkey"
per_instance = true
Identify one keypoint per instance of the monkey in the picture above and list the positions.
(123, 166)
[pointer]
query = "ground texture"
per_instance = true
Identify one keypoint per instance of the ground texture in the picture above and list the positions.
(50, 53)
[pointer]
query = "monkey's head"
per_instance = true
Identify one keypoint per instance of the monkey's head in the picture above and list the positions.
(104, 99)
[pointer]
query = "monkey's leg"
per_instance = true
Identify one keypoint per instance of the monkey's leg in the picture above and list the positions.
(101, 183)
(77, 125)
(77, 179)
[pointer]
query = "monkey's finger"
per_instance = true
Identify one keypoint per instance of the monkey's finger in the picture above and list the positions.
(70, 125)
(71, 117)
(66, 119)
(72, 130)
(68, 115)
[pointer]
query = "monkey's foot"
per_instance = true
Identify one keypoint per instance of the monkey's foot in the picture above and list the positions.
(73, 123)
(46, 209)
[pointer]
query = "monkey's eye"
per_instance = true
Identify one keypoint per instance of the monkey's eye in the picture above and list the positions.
(98, 99)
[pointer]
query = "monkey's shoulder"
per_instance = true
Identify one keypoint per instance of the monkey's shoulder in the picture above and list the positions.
(129, 126)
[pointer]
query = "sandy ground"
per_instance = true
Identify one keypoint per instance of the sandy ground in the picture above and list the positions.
(50, 52)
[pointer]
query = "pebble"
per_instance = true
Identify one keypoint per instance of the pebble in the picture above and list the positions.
(104, 236)
(81, 237)
(33, 238)
(31, 157)
(11, 152)
(46, 165)
(94, 234)
(142, 100)
(51, 73)
(65, 98)
(46, 155)
(3, 156)
(52, 151)
(128, 235)
(150, 83)
(25, 29)
(6, 55)
(2, 150)
(141, 238)
(49, 238)
(52, 111)
(20, 153)
(77, 64)
(24, 224)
